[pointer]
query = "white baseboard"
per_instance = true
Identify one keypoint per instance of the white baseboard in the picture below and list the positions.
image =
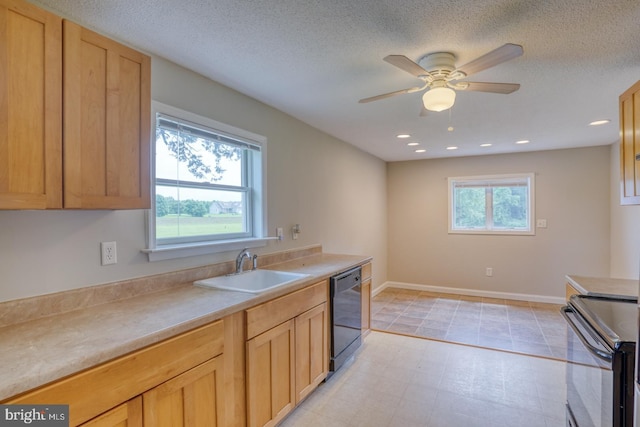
(471, 292)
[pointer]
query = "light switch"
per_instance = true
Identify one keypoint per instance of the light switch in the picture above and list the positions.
(541, 223)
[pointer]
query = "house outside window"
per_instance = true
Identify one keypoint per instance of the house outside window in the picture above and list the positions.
(209, 186)
(492, 204)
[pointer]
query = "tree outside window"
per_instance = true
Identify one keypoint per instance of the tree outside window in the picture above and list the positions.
(500, 204)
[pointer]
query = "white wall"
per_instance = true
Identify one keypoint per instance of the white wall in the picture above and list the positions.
(625, 227)
(333, 190)
(572, 193)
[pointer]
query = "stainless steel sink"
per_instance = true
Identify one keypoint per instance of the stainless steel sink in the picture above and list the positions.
(254, 281)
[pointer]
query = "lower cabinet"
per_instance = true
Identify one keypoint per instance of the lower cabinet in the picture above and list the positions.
(366, 306)
(570, 290)
(176, 382)
(366, 298)
(129, 414)
(312, 363)
(249, 369)
(270, 375)
(194, 398)
(287, 361)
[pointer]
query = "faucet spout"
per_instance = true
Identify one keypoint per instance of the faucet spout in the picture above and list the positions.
(240, 258)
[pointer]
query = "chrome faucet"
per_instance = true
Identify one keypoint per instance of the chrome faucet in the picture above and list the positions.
(240, 258)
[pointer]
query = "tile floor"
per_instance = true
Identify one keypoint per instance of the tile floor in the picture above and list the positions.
(402, 381)
(518, 326)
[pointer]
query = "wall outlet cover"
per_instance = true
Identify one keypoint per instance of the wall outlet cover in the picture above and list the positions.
(108, 253)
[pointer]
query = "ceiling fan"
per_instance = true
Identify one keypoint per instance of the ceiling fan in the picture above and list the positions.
(440, 76)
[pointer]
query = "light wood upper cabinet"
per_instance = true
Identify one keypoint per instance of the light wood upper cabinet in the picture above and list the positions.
(630, 146)
(107, 101)
(89, 104)
(30, 107)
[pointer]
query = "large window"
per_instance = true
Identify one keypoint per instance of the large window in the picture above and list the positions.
(209, 184)
(497, 204)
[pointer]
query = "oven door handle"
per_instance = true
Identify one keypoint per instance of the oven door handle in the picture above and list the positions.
(606, 356)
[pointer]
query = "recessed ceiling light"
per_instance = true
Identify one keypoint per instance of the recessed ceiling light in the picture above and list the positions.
(421, 150)
(403, 135)
(486, 145)
(599, 122)
(523, 141)
(452, 148)
(411, 144)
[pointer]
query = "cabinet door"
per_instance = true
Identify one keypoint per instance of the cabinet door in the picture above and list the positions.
(107, 104)
(312, 356)
(30, 107)
(630, 146)
(128, 414)
(270, 375)
(194, 398)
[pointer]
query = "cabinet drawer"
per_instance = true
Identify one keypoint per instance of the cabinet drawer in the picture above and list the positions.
(265, 316)
(105, 386)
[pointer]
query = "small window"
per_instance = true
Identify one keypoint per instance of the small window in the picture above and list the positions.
(209, 184)
(497, 204)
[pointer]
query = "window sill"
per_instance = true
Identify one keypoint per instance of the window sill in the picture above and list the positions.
(496, 232)
(166, 252)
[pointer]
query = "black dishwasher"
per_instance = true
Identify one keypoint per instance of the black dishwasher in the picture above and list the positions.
(346, 316)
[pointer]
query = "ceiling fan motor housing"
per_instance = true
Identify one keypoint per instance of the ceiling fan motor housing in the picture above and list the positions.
(439, 64)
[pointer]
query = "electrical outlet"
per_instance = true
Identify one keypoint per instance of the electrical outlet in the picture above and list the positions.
(489, 272)
(108, 253)
(279, 233)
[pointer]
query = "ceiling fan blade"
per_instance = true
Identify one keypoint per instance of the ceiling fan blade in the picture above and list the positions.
(387, 95)
(491, 59)
(406, 64)
(491, 87)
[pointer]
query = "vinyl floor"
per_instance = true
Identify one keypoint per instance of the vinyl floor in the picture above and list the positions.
(403, 381)
(535, 329)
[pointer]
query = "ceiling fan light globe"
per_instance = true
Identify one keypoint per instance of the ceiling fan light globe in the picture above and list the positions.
(439, 98)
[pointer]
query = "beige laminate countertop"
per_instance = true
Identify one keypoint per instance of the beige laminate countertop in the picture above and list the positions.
(604, 286)
(40, 351)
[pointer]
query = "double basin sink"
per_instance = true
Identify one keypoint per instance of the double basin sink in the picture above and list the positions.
(252, 281)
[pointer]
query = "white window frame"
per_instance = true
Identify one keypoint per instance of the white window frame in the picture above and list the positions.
(487, 181)
(257, 177)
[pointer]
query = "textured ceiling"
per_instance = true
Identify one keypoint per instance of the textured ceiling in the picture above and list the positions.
(314, 59)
